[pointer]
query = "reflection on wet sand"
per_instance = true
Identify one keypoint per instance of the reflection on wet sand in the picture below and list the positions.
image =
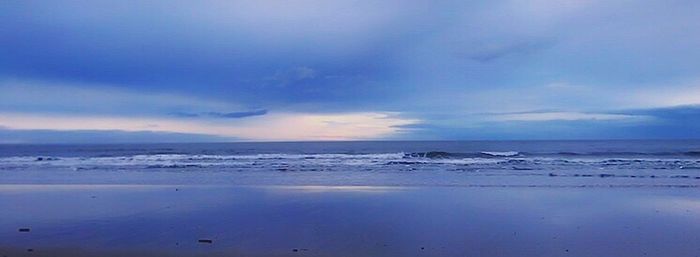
(347, 221)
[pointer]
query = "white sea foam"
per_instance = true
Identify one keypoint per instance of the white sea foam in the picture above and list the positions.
(502, 154)
(495, 160)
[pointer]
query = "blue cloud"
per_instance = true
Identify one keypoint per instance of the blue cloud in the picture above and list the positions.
(679, 122)
(494, 52)
(237, 115)
(10, 136)
(226, 115)
(185, 114)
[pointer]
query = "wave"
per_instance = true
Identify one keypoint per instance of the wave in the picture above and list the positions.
(598, 154)
(564, 155)
(488, 160)
(450, 155)
(428, 154)
(161, 155)
(502, 154)
(693, 153)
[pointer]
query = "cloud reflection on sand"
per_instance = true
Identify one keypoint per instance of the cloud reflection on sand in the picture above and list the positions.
(348, 221)
(349, 189)
(678, 206)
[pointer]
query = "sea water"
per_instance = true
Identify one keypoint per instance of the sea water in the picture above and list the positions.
(425, 163)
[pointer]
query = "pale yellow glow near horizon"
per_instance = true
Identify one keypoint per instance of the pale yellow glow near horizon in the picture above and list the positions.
(279, 126)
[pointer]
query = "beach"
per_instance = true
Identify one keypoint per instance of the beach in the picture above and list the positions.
(208, 220)
(549, 198)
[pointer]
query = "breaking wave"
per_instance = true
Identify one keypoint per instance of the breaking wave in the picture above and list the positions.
(489, 160)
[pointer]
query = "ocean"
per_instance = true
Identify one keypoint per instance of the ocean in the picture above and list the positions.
(405, 163)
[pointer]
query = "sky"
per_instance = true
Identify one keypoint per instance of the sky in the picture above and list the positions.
(213, 71)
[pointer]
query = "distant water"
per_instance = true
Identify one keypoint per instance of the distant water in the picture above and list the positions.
(678, 162)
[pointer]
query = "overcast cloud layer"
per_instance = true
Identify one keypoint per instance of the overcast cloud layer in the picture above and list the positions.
(348, 70)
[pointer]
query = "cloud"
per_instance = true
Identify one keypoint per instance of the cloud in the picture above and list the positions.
(278, 126)
(566, 86)
(488, 52)
(128, 42)
(48, 136)
(680, 122)
(39, 106)
(686, 114)
(238, 115)
(89, 98)
(304, 73)
(226, 115)
(564, 116)
(185, 114)
(667, 95)
(291, 76)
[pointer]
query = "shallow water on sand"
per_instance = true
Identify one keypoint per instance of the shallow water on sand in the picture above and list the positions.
(169, 220)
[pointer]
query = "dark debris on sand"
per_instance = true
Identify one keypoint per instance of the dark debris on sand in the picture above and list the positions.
(205, 241)
(24, 230)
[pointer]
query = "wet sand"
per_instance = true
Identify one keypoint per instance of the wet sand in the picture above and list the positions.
(208, 220)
